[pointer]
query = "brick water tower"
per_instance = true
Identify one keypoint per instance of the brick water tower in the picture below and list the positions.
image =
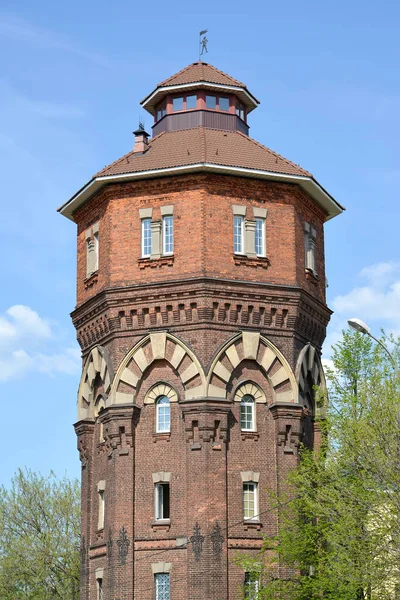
(200, 313)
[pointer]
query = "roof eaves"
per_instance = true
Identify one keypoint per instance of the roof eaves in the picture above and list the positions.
(316, 191)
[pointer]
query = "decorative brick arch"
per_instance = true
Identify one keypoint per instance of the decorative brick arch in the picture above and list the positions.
(157, 346)
(309, 373)
(251, 345)
(97, 367)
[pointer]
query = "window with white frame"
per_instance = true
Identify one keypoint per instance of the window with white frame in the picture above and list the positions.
(162, 585)
(260, 237)
(168, 234)
(92, 250)
(247, 413)
(163, 415)
(238, 228)
(250, 500)
(146, 237)
(100, 595)
(251, 585)
(100, 494)
(310, 241)
(161, 501)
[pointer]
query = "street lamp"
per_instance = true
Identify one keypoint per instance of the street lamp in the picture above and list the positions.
(362, 327)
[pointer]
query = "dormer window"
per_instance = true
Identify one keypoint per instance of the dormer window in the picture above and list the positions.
(240, 110)
(223, 103)
(177, 103)
(191, 102)
(211, 102)
(161, 111)
(184, 103)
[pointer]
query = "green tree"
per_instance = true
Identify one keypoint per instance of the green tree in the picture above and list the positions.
(39, 538)
(339, 535)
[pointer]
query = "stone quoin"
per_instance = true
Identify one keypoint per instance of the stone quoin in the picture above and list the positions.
(201, 313)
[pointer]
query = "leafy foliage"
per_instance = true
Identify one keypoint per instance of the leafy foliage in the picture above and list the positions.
(39, 538)
(339, 535)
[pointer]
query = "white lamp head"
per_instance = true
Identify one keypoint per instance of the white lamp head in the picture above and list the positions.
(358, 325)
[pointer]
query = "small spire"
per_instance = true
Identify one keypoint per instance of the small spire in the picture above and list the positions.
(141, 139)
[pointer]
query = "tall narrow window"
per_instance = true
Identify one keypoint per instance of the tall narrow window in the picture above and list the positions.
(240, 110)
(247, 413)
(92, 250)
(251, 585)
(260, 237)
(100, 595)
(310, 240)
(163, 415)
(100, 524)
(162, 586)
(168, 235)
(250, 503)
(146, 237)
(238, 226)
(96, 250)
(161, 499)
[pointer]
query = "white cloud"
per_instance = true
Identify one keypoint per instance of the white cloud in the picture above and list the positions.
(28, 345)
(376, 301)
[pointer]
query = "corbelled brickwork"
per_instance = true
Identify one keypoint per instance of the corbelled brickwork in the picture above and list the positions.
(203, 328)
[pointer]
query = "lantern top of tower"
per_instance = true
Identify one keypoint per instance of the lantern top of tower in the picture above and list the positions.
(199, 75)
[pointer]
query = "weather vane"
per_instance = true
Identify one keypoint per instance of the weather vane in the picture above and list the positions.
(203, 43)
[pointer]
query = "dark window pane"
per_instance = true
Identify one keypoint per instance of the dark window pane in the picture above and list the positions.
(165, 501)
(223, 103)
(177, 103)
(211, 102)
(191, 101)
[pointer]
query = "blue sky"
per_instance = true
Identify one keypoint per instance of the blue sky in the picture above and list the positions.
(327, 78)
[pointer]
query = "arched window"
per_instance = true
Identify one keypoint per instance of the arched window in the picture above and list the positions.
(163, 414)
(247, 413)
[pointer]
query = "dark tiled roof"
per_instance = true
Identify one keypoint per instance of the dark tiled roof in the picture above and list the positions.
(200, 71)
(201, 145)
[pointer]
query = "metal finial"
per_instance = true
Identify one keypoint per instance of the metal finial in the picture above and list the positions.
(141, 124)
(203, 43)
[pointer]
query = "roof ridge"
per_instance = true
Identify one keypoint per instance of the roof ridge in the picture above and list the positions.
(286, 160)
(225, 74)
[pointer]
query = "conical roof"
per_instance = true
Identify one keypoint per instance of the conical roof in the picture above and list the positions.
(199, 75)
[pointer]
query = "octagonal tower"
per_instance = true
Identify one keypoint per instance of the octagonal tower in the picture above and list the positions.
(200, 313)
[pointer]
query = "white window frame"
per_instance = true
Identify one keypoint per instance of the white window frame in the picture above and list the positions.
(158, 405)
(157, 580)
(101, 504)
(146, 221)
(310, 243)
(251, 585)
(238, 219)
(245, 404)
(160, 502)
(165, 220)
(260, 220)
(254, 486)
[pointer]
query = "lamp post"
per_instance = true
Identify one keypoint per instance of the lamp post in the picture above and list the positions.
(362, 327)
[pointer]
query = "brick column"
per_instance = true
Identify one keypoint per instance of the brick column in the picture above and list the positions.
(119, 432)
(288, 426)
(84, 431)
(206, 429)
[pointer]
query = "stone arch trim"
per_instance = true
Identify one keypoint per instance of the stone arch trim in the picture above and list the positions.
(160, 389)
(97, 363)
(249, 387)
(309, 365)
(154, 347)
(252, 345)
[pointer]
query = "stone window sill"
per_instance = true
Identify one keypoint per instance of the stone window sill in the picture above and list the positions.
(250, 524)
(158, 437)
(91, 280)
(256, 261)
(153, 263)
(312, 276)
(161, 525)
(250, 435)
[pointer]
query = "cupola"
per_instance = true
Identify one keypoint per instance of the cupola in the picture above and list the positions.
(200, 95)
